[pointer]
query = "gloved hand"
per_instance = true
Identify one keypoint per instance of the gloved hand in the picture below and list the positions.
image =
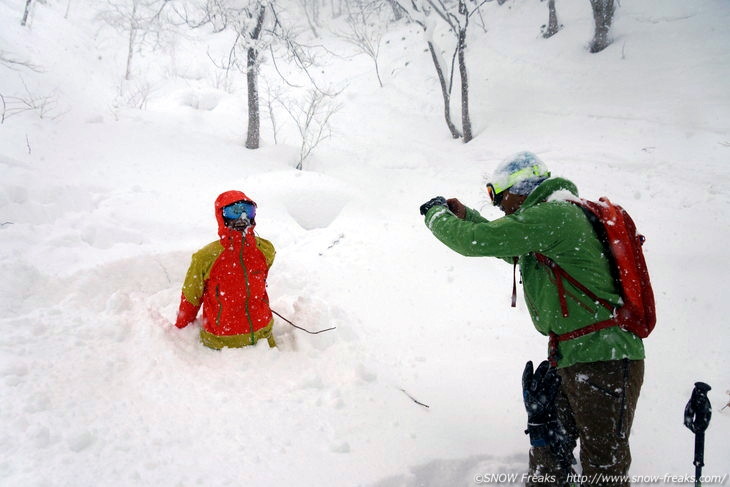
(437, 201)
(186, 313)
(539, 390)
(457, 207)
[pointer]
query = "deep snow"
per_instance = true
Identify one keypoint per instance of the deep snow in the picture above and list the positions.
(101, 206)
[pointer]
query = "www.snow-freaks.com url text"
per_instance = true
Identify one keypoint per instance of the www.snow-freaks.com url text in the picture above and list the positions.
(521, 478)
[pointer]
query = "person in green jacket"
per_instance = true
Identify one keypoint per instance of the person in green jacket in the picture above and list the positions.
(601, 373)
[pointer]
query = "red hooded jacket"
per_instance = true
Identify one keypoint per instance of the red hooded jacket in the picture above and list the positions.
(228, 279)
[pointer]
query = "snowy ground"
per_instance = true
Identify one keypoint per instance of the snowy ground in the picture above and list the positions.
(102, 205)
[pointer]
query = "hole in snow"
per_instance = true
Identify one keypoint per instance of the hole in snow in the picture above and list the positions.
(315, 209)
(313, 200)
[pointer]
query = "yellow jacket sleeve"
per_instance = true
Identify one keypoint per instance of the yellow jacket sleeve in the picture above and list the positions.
(266, 248)
(199, 271)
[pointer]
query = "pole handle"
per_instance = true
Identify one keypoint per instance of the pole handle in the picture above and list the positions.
(697, 416)
(698, 411)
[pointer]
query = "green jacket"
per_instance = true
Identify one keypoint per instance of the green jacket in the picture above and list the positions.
(561, 231)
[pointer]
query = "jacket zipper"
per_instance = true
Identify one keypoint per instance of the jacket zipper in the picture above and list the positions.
(248, 289)
(220, 306)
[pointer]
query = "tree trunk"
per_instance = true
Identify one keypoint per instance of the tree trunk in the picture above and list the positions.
(254, 122)
(603, 15)
(445, 92)
(68, 8)
(465, 120)
(314, 14)
(552, 26)
(132, 40)
(26, 13)
(130, 51)
(397, 10)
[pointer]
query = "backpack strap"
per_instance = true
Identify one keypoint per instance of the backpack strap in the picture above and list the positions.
(560, 275)
(555, 339)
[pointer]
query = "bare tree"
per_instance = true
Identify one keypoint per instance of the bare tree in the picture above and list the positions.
(252, 57)
(336, 7)
(398, 12)
(365, 31)
(272, 96)
(460, 24)
(311, 116)
(416, 12)
(258, 26)
(456, 14)
(12, 105)
(28, 4)
(552, 27)
(140, 20)
(45, 106)
(245, 18)
(135, 93)
(311, 12)
(457, 17)
(603, 15)
(7, 60)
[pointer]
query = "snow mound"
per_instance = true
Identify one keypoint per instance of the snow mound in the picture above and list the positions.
(205, 100)
(313, 200)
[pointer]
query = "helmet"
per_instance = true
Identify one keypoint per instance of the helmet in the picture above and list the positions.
(520, 173)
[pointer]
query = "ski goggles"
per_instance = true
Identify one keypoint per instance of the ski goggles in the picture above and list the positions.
(235, 210)
(496, 191)
(494, 195)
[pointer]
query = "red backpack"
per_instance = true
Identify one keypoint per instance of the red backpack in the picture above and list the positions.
(617, 231)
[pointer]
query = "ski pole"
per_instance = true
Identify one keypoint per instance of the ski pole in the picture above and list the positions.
(697, 416)
(300, 328)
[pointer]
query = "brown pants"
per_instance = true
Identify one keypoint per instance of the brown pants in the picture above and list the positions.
(596, 404)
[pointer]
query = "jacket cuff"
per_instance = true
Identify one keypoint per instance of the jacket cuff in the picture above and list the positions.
(435, 212)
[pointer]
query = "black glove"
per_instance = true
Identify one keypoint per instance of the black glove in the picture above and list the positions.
(437, 201)
(539, 390)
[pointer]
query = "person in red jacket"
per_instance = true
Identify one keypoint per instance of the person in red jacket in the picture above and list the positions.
(228, 279)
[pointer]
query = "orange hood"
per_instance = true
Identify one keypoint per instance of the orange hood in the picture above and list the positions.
(225, 199)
